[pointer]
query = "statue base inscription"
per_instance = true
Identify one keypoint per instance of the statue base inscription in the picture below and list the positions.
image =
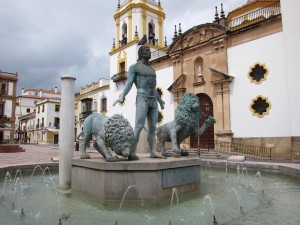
(153, 178)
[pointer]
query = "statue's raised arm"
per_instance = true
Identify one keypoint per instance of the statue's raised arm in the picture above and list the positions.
(130, 80)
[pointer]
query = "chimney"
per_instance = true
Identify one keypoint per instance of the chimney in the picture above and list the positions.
(55, 90)
(41, 93)
(22, 91)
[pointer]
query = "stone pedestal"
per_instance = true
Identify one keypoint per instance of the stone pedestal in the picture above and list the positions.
(154, 178)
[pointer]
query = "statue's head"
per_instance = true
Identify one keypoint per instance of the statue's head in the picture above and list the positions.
(187, 111)
(144, 52)
(123, 149)
(119, 135)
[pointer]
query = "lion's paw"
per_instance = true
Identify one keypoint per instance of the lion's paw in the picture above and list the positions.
(184, 153)
(85, 156)
(112, 159)
(166, 154)
(156, 155)
(133, 156)
(210, 120)
(177, 151)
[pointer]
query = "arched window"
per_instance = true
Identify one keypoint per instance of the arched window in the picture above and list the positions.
(124, 34)
(3, 89)
(151, 33)
(198, 70)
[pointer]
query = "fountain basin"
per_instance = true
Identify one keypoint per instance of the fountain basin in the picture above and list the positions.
(156, 177)
(233, 200)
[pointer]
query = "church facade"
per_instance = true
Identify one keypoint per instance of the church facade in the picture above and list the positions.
(241, 66)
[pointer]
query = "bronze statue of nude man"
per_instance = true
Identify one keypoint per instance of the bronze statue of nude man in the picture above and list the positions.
(144, 78)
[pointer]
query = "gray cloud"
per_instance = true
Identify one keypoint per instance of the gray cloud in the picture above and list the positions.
(42, 40)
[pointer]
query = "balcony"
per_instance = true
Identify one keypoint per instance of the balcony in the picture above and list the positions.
(122, 76)
(254, 17)
(84, 115)
(5, 119)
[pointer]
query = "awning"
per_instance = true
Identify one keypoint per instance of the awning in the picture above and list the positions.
(55, 131)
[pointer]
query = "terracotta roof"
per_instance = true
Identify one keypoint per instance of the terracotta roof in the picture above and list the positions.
(250, 2)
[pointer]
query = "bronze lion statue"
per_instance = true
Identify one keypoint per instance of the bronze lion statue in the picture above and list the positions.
(114, 133)
(185, 124)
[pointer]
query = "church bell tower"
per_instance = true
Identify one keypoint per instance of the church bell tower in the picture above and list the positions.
(135, 20)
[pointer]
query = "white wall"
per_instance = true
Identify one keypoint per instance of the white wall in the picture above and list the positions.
(291, 37)
(268, 50)
(8, 108)
(10, 88)
(164, 81)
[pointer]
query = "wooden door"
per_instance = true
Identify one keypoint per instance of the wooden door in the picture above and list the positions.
(206, 140)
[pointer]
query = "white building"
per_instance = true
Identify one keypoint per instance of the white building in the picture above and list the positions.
(91, 98)
(47, 121)
(27, 106)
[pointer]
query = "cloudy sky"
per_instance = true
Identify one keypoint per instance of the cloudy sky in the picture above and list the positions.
(43, 39)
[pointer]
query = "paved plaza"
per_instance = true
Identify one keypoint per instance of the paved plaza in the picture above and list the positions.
(43, 154)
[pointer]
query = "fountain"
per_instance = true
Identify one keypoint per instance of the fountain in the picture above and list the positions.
(221, 201)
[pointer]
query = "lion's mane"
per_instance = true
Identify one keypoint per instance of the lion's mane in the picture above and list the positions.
(117, 130)
(185, 116)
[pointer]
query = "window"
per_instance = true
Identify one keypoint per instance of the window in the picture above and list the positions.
(56, 122)
(104, 105)
(122, 67)
(1, 110)
(260, 106)
(258, 73)
(42, 125)
(57, 107)
(151, 33)
(124, 35)
(38, 109)
(28, 110)
(87, 105)
(95, 105)
(43, 108)
(3, 89)
(35, 101)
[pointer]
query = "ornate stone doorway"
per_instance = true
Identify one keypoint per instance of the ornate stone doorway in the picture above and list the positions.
(206, 110)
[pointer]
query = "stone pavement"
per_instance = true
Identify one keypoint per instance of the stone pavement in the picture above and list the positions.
(42, 154)
(34, 154)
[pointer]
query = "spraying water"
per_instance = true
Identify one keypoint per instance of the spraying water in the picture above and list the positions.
(4, 184)
(212, 208)
(124, 196)
(174, 192)
(208, 167)
(38, 166)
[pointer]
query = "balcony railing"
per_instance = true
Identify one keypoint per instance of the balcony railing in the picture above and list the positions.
(84, 115)
(5, 119)
(119, 77)
(239, 149)
(254, 17)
